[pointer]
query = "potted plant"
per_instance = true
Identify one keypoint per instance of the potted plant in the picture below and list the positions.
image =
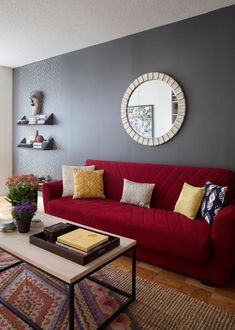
(22, 195)
(22, 189)
(23, 214)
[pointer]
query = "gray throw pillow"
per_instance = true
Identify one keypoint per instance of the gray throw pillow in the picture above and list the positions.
(137, 193)
(68, 178)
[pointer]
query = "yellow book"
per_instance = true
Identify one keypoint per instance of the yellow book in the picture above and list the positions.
(82, 239)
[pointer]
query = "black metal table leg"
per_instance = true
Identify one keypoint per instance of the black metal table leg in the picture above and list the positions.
(11, 266)
(19, 314)
(71, 306)
(134, 272)
(131, 297)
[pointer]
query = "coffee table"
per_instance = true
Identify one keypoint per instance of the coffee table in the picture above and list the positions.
(65, 270)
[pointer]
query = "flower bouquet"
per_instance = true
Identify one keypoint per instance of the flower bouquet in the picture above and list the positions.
(22, 189)
(23, 214)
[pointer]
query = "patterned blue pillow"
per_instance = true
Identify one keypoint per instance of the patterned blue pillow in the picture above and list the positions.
(213, 201)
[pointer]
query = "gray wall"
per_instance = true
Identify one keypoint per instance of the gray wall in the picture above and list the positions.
(84, 90)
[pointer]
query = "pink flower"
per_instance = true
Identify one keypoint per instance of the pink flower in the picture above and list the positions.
(24, 180)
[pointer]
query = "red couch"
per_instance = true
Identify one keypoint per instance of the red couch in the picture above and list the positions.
(164, 238)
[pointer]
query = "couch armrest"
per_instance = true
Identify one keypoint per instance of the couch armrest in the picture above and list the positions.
(223, 237)
(51, 190)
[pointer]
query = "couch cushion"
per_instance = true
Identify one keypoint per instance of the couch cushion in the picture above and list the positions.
(137, 193)
(161, 230)
(189, 200)
(68, 178)
(168, 179)
(88, 184)
(213, 201)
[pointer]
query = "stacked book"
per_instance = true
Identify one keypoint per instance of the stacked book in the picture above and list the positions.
(41, 119)
(32, 120)
(22, 121)
(7, 226)
(39, 145)
(81, 240)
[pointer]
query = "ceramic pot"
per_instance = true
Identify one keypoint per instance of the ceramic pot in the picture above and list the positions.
(23, 225)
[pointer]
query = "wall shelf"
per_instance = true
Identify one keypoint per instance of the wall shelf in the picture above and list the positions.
(46, 145)
(25, 121)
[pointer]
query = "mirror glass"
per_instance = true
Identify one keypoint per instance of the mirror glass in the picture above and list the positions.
(152, 109)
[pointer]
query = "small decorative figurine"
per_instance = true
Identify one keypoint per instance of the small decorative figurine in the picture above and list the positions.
(36, 102)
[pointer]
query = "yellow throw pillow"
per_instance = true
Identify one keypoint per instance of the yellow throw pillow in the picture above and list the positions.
(189, 200)
(88, 184)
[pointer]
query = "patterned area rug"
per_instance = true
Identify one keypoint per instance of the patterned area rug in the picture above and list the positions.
(44, 300)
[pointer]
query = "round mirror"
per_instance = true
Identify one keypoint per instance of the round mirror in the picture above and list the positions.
(153, 108)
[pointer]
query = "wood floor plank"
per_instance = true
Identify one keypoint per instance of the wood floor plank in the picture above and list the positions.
(222, 302)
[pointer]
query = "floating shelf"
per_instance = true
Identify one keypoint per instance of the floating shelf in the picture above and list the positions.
(48, 145)
(49, 121)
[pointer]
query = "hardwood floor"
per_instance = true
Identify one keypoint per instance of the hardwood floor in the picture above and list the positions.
(222, 297)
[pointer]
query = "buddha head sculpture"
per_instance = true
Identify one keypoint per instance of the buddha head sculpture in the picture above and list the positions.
(36, 102)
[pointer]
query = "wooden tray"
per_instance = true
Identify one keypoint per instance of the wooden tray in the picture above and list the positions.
(81, 258)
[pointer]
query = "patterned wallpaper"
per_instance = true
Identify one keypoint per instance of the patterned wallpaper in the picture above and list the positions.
(44, 76)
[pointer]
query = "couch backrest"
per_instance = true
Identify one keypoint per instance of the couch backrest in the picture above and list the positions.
(168, 179)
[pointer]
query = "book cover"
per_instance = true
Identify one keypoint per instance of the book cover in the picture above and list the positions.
(82, 239)
(70, 248)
